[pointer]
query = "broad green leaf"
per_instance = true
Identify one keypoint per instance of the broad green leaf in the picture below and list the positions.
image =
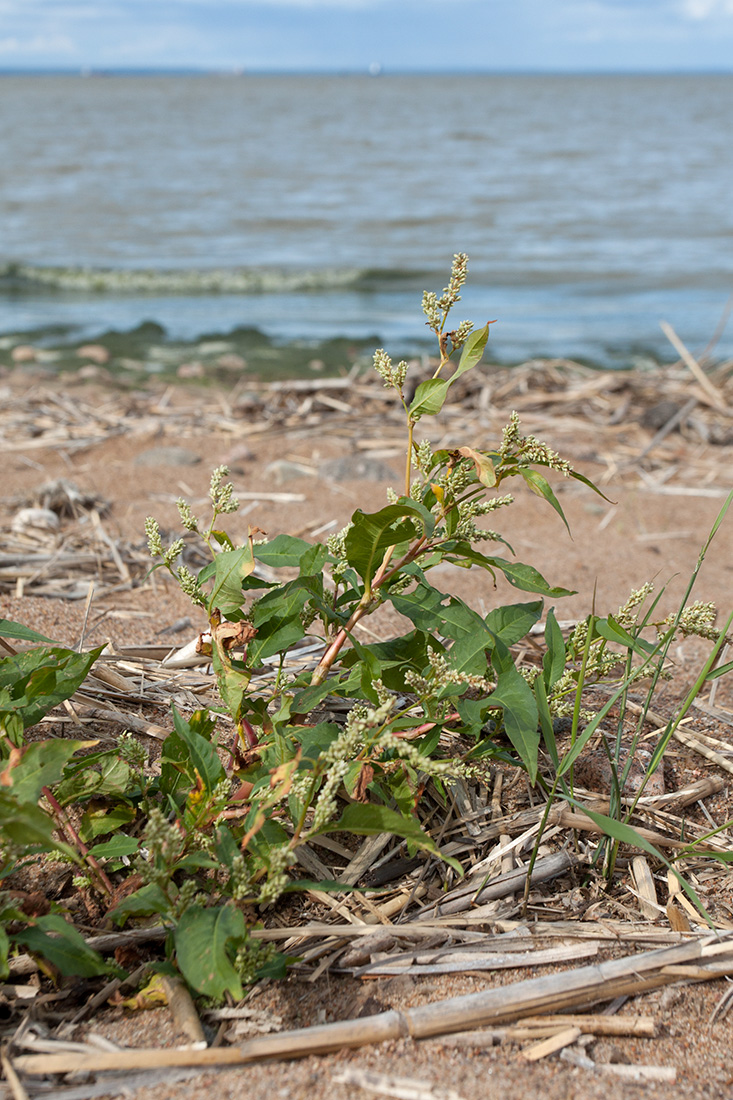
(513, 621)
(84, 781)
(232, 677)
(554, 657)
(429, 397)
(277, 621)
(313, 560)
(395, 658)
(373, 533)
(144, 902)
(432, 610)
(54, 939)
(284, 551)
(199, 757)
(205, 941)
(26, 824)
(9, 629)
(366, 820)
(308, 699)
(41, 678)
(100, 821)
(42, 765)
(527, 578)
(230, 569)
(472, 351)
(514, 695)
(469, 656)
(118, 846)
(541, 486)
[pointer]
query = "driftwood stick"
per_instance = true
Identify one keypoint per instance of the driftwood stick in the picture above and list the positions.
(554, 992)
(502, 886)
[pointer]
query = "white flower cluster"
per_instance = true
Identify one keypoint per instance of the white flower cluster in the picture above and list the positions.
(441, 675)
(222, 495)
(528, 450)
(280, 859)
(697, 619)
(188, 519)
(392, 376)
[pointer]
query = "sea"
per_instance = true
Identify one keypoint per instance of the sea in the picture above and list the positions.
(313, 208)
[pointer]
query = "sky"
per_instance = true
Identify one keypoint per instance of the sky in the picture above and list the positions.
(352, 35)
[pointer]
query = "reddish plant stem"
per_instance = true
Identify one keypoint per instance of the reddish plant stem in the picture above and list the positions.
(364, 608)
(77, 842)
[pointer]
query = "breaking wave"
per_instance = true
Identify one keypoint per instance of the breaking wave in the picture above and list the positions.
(244, 280)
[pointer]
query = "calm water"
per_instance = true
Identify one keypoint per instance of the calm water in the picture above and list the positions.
(591, 207)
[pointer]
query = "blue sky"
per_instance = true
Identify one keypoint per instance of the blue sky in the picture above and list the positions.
(349, 35)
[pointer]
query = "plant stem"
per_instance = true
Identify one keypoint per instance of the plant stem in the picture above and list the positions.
(77, 842)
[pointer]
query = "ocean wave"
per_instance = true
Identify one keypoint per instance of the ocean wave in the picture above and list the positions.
(244, 280)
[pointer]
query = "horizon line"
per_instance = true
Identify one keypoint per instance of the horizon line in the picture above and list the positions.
(368, 71)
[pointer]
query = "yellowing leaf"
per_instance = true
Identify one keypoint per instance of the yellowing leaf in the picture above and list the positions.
(485, 471)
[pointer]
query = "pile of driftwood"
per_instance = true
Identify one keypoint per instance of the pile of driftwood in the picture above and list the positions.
(639, 405)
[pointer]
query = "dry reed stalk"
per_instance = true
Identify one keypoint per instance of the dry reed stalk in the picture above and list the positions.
(710, 958)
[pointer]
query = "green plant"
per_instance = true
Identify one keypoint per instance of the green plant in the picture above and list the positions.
(454, 668)
(31, 684)
(614, 653)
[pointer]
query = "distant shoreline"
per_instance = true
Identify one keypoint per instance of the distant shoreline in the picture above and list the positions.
(82, 72)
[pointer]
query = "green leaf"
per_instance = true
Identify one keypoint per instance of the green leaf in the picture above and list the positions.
(368, 820)
(395, 657)
(429, 397)
(546, 726)
(26, 824)
(527, 578)
(514, 695)
(313, 560)
(612, 631)
(513, 621)
(99, 821)
(189, 746)
(9, 629)
(372, 534)
(541, 486)
(472, 351)
(230, 569)
(626, 834)
(84, 781)
(204, 940)
(284, 551)
(41, 678)
(118, 846)
(54, 939)
(4, 949)
(144, 902)
(42, 765)
(721, 670)
(469, 656)
(432, 610)
(277, 621)
(554, 657)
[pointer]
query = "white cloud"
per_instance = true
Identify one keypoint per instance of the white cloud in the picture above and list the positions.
(707, 9)
(39, 44)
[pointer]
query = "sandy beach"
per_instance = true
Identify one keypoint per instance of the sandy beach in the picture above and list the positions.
(303, 456)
